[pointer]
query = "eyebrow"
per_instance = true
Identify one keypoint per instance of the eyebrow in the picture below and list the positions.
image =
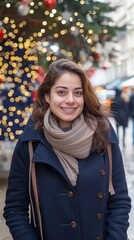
(67, 87)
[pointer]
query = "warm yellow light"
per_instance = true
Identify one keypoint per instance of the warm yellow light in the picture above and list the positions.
(59, 18)
(78, 24)
(94, 12)
(31, 11)
(5, 134)
(39, 4)
(46, 12)
(54, 24)
(32, 4)
(89, 41)
(54, 11)
(93, 49)
(54, 58)
(63, 32)
(12, 99)
(20, 39)
(4, 110)
(43, 30)
(63, 21)
(82, 2)
(15, 45)
(8, 5)
(8, 129)
(105, 30)
(81, 25)
(4, 118)
(73, 28)
(10, 114)
(15, 31)
(90, 31)
(81, 30)
(44, 23)
(48, 58)
(18, 112)
(11, 21)
(10, 124)
(13, 26)
(5, 20)
(35, 34)
(16, 120)
(51, 15)
(56, 35)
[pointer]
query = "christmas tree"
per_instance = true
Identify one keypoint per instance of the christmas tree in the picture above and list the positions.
(34, 33)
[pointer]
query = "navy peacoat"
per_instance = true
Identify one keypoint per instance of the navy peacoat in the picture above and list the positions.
(84, 212)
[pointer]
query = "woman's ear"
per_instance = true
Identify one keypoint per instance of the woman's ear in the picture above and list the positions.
(47, 97)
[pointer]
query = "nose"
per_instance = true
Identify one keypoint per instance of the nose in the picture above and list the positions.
(70, 98)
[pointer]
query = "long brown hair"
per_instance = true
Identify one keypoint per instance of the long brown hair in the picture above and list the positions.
(92, 106)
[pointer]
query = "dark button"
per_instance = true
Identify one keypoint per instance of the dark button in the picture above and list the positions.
(100, 195)
(99, 216)
(98, 238)
(70, 194)
(36, 156)
(73, 224)
(102, 172)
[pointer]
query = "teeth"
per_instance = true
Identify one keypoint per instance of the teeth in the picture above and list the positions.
(68, 109)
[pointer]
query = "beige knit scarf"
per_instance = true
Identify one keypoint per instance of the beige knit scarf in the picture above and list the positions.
(75, 143)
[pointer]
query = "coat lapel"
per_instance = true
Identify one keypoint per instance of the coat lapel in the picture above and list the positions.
(45, 154)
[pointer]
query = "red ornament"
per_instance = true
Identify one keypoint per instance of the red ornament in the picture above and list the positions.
(41, 74)
(101, 38)
(34, 95)
(104, 67)
(96, 57)
(91, 72)
(50, 4)
(1, 35)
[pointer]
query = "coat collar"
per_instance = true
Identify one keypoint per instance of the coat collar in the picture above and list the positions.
(32, 134)
(112, 136)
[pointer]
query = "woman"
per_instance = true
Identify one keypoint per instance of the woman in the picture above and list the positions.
(70, 133)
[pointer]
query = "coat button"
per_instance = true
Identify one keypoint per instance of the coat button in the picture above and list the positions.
(100, 195)
(73, 224)
(102, 172)
(99, 216)
(98, 238)
(70, 194)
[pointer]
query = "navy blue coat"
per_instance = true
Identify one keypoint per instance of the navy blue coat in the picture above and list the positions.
(84, 212)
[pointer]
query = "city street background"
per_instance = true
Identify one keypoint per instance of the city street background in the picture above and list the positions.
(128, 158)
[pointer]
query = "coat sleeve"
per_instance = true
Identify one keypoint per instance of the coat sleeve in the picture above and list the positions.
(16, 210)
(119, 204)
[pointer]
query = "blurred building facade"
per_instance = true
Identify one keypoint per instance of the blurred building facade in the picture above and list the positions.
(121, 48)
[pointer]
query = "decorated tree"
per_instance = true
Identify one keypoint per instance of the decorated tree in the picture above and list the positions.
(72, 25)
(35, 33)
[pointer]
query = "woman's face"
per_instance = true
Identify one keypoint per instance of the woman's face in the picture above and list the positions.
(66, 99)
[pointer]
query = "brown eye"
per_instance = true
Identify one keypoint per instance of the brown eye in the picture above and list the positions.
(79, 93)
(61, 92)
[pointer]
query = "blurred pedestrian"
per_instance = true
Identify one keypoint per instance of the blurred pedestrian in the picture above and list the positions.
(120, 110)
(80, 193)
(131, 111)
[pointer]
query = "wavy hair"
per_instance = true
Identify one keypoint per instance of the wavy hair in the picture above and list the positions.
(93, 109)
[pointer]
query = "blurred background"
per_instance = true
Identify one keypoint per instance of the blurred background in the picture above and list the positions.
(98, 35)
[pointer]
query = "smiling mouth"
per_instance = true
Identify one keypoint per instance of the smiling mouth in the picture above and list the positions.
(69, 110)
